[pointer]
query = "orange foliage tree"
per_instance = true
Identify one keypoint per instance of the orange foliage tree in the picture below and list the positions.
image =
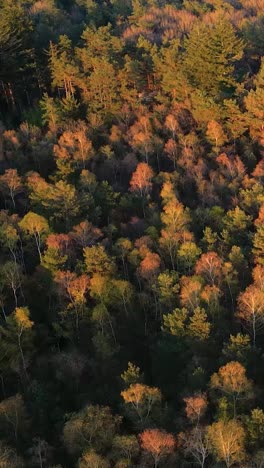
(159, 444)
(190, 293)
(141, 179)
(74, 289)
(231, 379)
(150, 265)
(195, 406)
(141, 399)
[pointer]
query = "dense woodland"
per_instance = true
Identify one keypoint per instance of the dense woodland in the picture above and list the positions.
(131, 233)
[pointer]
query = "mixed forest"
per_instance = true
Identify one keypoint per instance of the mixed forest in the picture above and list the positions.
(131, 233)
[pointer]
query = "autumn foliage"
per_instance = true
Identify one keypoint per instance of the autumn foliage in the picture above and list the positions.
(141, 179)
(157, 443)
(131, 233)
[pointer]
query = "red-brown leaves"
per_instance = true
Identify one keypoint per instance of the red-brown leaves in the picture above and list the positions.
(141, 179)
(73, 287)
(157, 443)
(58, 242)
(150, 265)
(195, 406)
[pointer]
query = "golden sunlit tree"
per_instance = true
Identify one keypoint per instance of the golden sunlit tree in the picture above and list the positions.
(227, 441)
(141, 399)
(231, 380)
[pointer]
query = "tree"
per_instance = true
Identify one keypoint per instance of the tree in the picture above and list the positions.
(63, 69)
(36, 226)
(181, 323)
(11, 184)
(40, 452)
(226, 439)
(159, 444)
(190, 293)
(258, 238)
(93, 427)
(85, 234)
(253, 102)
(141, 135)
(195, 406)
(251, 310)
(91, 459)
(149, 266)
(51, 112)
(102, 89)
(167, 287)
(175, 323)
(123, 293)
(17, 338)
(172, 150)
(56, 254)
(188, 253)
(13, 417)
(231, 379)
(97, 261)
(215, 134)
(255, 428)
(172, 125)
(176, 219)
(236, 120)
(258, 276)
(126, 446)
(74, 288)
(132, 375)
(62, 202)
(141, 181)
(236, 226)
(15, 44)
(11, 273)
(199, 328)
(174, 216)
(9, 235)
(9, 457)
(73, 150)
(195, 444)
(209, 266)
(141, 399)
(237, 348)
(202, 46)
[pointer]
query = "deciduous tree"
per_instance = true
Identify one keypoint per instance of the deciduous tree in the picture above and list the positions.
(159, 444)
(141, 399)
(227, 441)
(231, 379)
(141, 179)
(251, 310)
(196, 406)
(37, 227)
(11, 184)
(93, 427)
(13, 417)
(209, 266)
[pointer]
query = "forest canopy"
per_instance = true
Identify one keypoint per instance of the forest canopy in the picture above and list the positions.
(131, 233)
